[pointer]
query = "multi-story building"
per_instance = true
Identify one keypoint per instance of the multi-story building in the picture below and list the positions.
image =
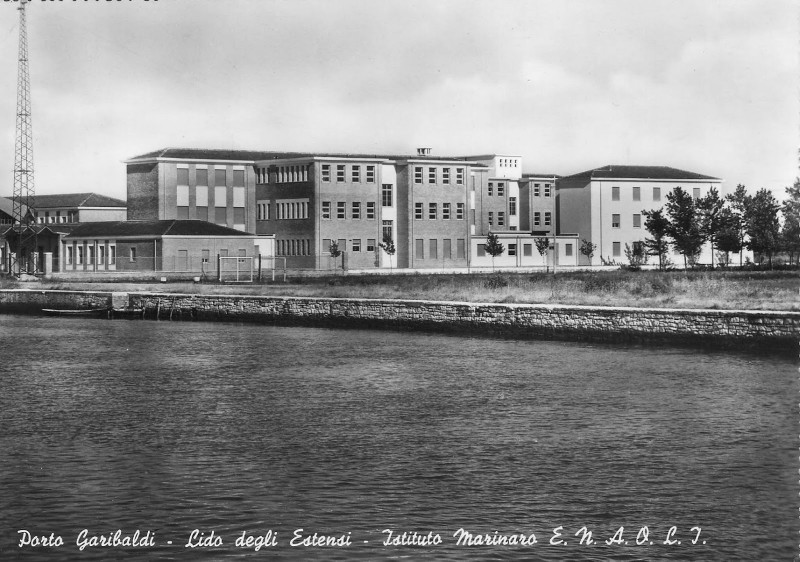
(351, 202)
(605, 205)
(73, 208)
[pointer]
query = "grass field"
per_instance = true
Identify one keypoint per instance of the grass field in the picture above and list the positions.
(754, 290)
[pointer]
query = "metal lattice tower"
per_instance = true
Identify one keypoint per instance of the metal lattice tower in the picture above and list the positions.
(23, 145)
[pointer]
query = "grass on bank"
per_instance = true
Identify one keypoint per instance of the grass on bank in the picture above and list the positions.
(719, 289)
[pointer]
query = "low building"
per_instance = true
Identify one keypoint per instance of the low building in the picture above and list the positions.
(180, 246)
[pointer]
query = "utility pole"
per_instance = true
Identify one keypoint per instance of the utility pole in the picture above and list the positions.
(23, 145)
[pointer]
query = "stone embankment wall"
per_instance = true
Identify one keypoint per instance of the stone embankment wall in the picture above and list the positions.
(722, 328)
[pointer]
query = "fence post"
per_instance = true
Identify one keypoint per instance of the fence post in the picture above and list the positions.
(259, 268)
(219, 269)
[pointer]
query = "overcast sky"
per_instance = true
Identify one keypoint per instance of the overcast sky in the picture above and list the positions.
(709, 86)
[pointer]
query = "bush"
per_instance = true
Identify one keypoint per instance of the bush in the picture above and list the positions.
(597, 283)
(496, 282)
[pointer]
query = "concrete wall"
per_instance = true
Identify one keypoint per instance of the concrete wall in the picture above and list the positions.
(143, 200)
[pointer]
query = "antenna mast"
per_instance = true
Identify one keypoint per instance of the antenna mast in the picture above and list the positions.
(23, 145)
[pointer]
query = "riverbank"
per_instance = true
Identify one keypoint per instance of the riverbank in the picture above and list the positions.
(779, 330)
(718, 289)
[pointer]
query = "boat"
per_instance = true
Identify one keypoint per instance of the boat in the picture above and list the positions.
(75, 312)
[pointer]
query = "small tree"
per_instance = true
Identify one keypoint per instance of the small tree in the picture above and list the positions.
(387, 245)
(335, 253)
(657, 226)
(709, 210)
(729, 238)
(542, 245)
(739, 200)
(493, 247)
(790, 233)
(587, 249)
(684, 226)
(637, 256)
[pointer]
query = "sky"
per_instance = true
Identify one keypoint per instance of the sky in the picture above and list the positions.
(709, 86)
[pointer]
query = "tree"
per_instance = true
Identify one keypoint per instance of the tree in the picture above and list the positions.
(637, 256)
(657, 226)
(708, 211)
(542, 245)
(729, 237)
(684, 228)
(739, 200)
(493, 247)
(790, 234)
(335, 252)
(387, 245)
(762, 226)
(587, 249)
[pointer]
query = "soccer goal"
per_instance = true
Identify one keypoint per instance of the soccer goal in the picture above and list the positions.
(236, 269)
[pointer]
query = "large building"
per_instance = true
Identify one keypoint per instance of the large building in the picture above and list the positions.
(605, 206)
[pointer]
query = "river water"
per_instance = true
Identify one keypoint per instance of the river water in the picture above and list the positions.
(277, 433)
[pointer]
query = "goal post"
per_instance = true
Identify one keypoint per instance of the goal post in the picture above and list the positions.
(236, 269)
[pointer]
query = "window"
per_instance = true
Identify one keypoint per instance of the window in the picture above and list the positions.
(537, 219)
(481, 250)
(615, 194)
(356, 244)
(112, 255)
(567, 249)
(356, 212)
(490, 189)
(131, 254)
(461, 248)
(201, 176)
(536, 190)
(460, 176)
(418, 174)
(446, 176)
(370, 244)
(614, 221)
(182, 200)
(182, 263)
(238, 178)
(223, 252)
(326, 210)
(220, 197)
(205, 255)
(326, 245)
(418, 211)
(356, 173)
(370, 210)
(527, 250)
(70, 256)
(419, 248)
(201, 201)
(460, 211)
(501, 189)
(696, 193)
(220, 215)
(547, 190)
(340, 172)
(501, 218)
(183, 176)
(388, 230)
(80, 253)
(637, 193)
(512, 249)
(491, 218)
(433, 211)
(434, 249)
(431, 175)
(238, 218)
(512, 206)
(446, 211)
(341, 210)
(656, 194)
(637, 221)
(616, 249)
(386, 195)
(326, 172)
(262, 210)
(447, 249)
(638, 247)
(238, 197)
(219, 177)
(370, 174)
(547, 218)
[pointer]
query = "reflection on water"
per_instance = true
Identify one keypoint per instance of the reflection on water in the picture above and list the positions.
(170, 427)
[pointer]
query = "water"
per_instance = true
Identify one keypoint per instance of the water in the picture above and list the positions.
(169, 427)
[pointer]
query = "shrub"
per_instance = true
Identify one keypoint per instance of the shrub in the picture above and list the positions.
(496, 282)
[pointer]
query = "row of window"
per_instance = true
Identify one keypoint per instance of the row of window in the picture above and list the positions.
(201, 196)
(537, 218)
(501, 189)
(508, 162)
(354, 246)
(433, 175)
(355, 210)
(201, 177)
(616, 248)
(433, 211)
(538, 190)
(433, 249)
(285, 209)
(355, 173)
(75, 254)
(293, 247)
(283, 174)
(636, 193)
(220, 215)
(637, 220)
(527, 250)
(47, 218)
